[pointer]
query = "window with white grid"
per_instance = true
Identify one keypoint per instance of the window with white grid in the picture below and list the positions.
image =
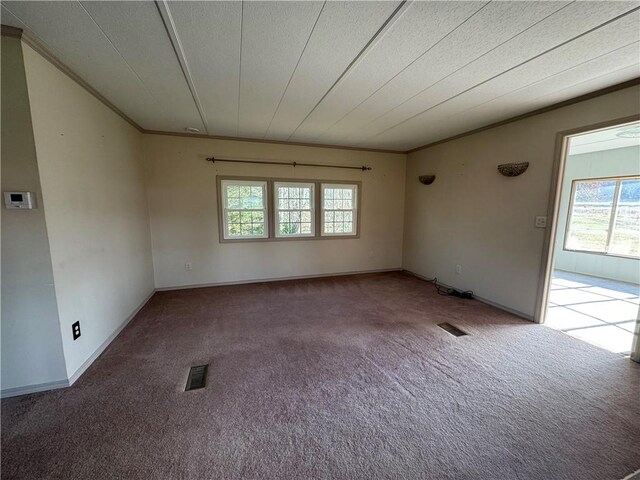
(604, 217)
(294, 209)
(244, 209)
(339, 209)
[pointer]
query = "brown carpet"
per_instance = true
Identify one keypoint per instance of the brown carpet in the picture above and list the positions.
(338, 378)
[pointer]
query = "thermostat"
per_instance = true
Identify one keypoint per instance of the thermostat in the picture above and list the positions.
(18, 200)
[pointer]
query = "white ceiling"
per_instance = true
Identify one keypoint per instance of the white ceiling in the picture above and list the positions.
(391, 75)
(608, 139)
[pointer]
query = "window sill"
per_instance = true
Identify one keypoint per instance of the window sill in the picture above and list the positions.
(602, 254)
(289, 239)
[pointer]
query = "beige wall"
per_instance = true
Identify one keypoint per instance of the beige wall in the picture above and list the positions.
(606, 163)
(31, 344)
(474, 217)
(92, 178)
(122, 206)
(182, 203)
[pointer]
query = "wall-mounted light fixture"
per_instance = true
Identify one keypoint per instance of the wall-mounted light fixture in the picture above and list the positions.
(513, 169)
(426, 179)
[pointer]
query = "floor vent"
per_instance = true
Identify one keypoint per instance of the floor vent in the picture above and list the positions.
(197, 377)
(455, 331)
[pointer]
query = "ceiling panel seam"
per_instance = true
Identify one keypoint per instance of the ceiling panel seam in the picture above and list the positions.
(555, 75)
(27, 28)
(123, 59)
(295, 69)
(57, 60)
(54, 57)
(272, 142)
(448, 75)
(530, 102)
(240, 67)
(573, 86)
(608, 22)
(32, 32)
(407, 66)
(494, 48)
(376, 36)
(571, 101)
(576, 74)
(169, 25)
(463, 66)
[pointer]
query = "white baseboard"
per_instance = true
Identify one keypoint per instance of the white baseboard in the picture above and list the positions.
(633, 476)
(76, 375)
(517, 313)
(27, 389)
(42, 387)
(275, 279)
(417, 275)
(13, 392)
(480, 299)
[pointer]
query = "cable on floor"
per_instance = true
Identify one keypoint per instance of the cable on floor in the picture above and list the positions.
(448, 291)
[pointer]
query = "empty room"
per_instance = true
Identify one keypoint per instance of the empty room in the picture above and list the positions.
(320, 240)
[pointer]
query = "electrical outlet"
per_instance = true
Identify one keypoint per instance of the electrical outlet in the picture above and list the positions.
(541, 222)
(76, 330)
(372, 254)
(458, 269)
(187, 266)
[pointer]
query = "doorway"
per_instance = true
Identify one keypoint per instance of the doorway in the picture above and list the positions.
(591, 285)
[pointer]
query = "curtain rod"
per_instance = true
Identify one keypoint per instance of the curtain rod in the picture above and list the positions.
(291, 164)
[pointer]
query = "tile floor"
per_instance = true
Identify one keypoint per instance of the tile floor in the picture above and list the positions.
(599, 311)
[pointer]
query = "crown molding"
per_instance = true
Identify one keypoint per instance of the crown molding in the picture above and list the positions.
(39, 47)
(8, 31)
(276, 142)
(31, 40)
(565, 103)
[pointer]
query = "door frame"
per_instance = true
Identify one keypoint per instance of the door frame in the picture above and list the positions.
(553, 214)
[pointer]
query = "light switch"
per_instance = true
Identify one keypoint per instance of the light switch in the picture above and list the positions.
(541, 222)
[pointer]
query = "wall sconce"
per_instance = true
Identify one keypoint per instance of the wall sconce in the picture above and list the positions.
(426, 179)
(513, 169)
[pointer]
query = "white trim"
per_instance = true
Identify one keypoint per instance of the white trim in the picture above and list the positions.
(553, 209)
(276, 279)
(277, 210)
(42, 387)
(39, 387)
(353, 210)
(633, 476)
(225, 209)
(613, 214)
(635, 346)
(87, 363)
(499, 306)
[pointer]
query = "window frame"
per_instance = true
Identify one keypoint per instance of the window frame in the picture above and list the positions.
(354, 210)
(614, 209)
(271, 224)
(277, 209)
(225, 211)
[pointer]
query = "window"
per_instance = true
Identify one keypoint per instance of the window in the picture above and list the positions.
(251, 209)
(604, 216)
(294, 209)
(339, 209)
(244, 209)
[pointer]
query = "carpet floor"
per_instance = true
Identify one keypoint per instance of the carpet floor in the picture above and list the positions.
(333, 378)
